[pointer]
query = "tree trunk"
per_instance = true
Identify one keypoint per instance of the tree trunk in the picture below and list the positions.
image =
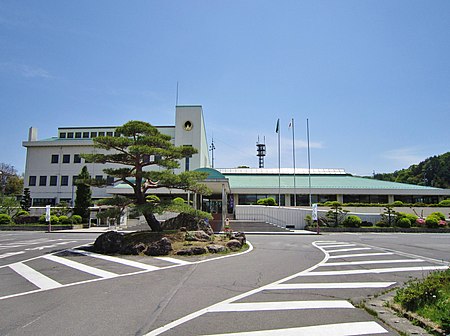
(154, 224)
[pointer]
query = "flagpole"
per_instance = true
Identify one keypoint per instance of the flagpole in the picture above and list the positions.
(309, 162)
(279, 162)
(293, 159)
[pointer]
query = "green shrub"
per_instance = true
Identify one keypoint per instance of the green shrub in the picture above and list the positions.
(366, 224)
(42, 219)
(308, 220)
(352, 221)
(398, 203)
(65, 220)
(270, 201)
(432, 221)
(445, 202)
(403, 222)
(22, 213)
(76, 219)
(178, 201)
(438, 214)
(5, 219)
(54, 219)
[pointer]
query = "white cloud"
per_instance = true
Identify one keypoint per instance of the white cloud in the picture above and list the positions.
(404, 156)
(25, 70)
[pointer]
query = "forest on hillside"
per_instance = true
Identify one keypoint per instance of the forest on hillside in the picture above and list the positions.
(433, 172)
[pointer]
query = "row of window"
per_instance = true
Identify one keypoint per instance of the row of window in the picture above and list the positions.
(85, 135)
(63, 180)
(66, 158)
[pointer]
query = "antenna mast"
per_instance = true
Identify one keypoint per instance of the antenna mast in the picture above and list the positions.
(212, 148)
(261, 152)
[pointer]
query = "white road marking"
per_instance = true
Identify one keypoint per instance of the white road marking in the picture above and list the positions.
(368, 262)
(332, 285)
(337, 245)
(338, 329)
(33, 276)
(377, 270)
(174, 261)
(349, 249)
(10, 254)
(81, 267)
(282, 305)
(360, 255)
(117, 260)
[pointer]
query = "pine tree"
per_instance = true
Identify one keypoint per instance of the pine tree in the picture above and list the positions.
(83, 195)
(140, 145)
(25, 203)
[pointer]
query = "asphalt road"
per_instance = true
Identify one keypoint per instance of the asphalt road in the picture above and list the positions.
(47, 290)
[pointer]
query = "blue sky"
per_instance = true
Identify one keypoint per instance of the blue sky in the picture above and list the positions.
(372, 77)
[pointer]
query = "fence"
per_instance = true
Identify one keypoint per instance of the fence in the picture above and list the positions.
(288, 217)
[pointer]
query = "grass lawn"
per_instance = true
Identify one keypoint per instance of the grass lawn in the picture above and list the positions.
(429, 298)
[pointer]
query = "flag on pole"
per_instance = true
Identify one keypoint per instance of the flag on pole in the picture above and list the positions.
(290, 124)
(277, 130)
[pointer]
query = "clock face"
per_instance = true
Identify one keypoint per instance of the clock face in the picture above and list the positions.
(188, 125)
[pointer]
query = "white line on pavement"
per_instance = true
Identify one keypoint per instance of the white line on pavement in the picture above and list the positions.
(337, 245)
(282, 305)
(339, 329)
(332, 285)
(174, 261)
(368, 262)
(10, 254)
(349, 249)
(360, 255)
(117, 260)
(377, 270)
(33, 276)
(81, 267)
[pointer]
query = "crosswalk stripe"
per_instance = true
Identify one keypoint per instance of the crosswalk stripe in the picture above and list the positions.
(116, 260)
(33, 276)
(332, 285)
(360, 255)
(173, 260)
(337, 245)
(376, 270)
(350, 249)
(368, 262)
(281, 305)
(81, 267)
(10, 254)
(338, 329)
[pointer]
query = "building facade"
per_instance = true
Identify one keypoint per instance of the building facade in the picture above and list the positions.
(52, 165)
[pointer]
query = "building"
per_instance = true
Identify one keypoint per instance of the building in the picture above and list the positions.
(52, 165)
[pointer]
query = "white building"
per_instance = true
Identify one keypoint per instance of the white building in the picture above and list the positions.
(53, 164)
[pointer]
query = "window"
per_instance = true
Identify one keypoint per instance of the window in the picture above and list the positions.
(32, 181)
(101, 133)
(70, 135)
(66, 158)
(53, 180)
(42, 181)
(109, 180)
(78, 135)
(74, 179)
(109, 133)
(62, 135)
(116, 134)
(85, 135)
(93, 134)
(43, 201)
(98, 177)
(55, 158)
(77, 158)
(64, 180)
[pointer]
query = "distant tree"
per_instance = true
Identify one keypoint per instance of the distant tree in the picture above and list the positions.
(25, 202)
(14, 185)
(83, 195)
(6, 171)
(138, 146)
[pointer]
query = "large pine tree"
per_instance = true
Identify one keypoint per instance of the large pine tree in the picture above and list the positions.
(139, 145)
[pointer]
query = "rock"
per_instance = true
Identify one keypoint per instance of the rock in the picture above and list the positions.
(196, 250)
(159, 248)
(234, 245)
(134, 249)
(188, 221)
(109, 242)
(184, 252)
(197, 236)
(239, 236)
(214, 248)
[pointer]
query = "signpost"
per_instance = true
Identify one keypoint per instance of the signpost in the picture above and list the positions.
(47, 217)
(315, 217)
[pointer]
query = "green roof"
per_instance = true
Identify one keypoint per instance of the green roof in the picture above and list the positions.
(248, 181)
(212, 173)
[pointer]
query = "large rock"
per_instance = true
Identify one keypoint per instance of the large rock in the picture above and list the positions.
(188, 221)
(234, 245)
(194, 250)
(159, 248)
(109, 242)
(215, 248)
(197, 236)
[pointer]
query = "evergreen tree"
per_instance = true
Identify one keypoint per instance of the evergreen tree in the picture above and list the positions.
(25, 203)
(83, 194)
(138, 146)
